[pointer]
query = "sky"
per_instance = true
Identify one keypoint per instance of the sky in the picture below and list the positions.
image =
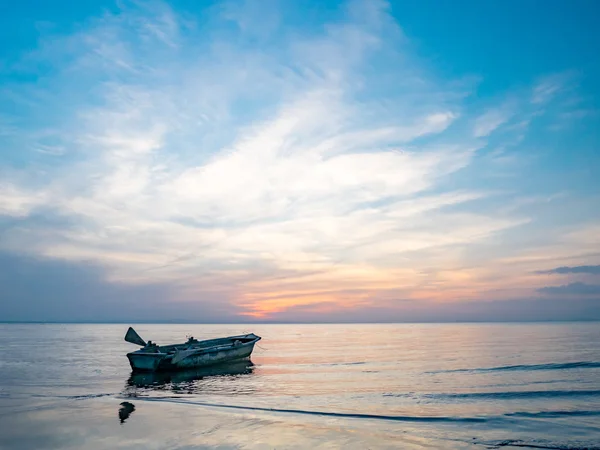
(299, 161)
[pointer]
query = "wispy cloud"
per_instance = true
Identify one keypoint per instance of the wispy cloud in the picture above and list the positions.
(572, 289)
(548, 87)
(595, 270)
(18, 203)
(488, 122)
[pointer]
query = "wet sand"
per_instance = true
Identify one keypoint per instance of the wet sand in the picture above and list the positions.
(102, 423)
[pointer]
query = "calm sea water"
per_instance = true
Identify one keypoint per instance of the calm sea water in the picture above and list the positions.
(307, 386)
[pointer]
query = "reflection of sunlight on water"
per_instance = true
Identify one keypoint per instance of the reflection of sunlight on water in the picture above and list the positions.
(222, 379)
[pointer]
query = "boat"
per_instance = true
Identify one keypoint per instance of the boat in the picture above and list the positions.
(191, 354)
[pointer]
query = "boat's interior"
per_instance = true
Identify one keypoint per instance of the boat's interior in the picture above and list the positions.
(194, 343)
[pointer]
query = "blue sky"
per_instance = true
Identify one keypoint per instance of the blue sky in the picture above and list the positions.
(312, 161)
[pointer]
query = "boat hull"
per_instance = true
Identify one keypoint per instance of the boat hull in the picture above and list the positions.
(144, 362)
(141, 361)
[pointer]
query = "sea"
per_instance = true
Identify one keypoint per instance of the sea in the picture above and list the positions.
(325, 386)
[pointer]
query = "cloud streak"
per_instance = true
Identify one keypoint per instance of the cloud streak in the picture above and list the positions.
(488, 122)
(572, 289)
(594, 270)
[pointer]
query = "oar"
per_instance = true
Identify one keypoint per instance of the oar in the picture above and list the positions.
(134, 338)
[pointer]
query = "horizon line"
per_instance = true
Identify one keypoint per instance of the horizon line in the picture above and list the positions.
(51, 322)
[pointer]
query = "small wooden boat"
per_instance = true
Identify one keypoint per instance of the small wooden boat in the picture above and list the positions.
(193, 353)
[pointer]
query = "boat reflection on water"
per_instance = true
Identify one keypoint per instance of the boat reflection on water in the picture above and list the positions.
(125, 410)
(188, 381)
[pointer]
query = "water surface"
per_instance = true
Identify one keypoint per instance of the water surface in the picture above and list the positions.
(322, 386)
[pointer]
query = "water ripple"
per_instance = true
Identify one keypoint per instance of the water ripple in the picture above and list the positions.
(527, 367)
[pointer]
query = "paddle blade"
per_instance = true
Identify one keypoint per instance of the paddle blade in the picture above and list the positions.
(134, 338)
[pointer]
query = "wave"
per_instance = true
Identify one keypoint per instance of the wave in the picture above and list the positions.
(357, 363)
(74, 397)
(534, 444)
(354, 363)
(321, 413)
(386, 417)
(504, 395)
(554, 414)
(510, 395)
(83, 397)
(548, 366)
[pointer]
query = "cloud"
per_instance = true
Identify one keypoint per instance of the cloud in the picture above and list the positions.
(490, 121)
(267, 168)
(17, 202)
(423, 311)
(548, 87)
(54, 290)
(595, 270)
(572, 289)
